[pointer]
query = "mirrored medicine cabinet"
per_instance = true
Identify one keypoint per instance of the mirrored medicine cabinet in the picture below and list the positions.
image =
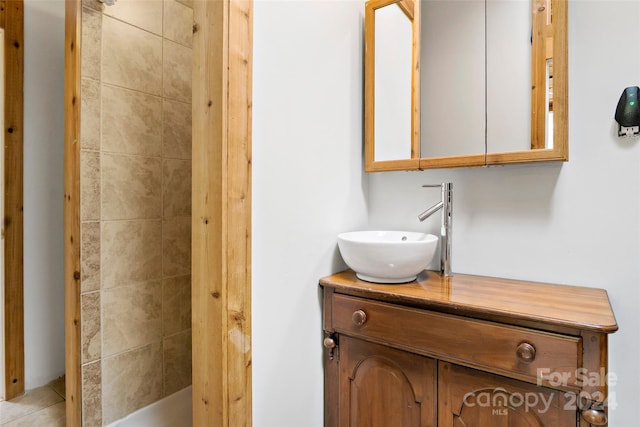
(464, 83)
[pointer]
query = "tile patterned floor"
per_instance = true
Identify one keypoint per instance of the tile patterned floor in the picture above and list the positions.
(40, 407)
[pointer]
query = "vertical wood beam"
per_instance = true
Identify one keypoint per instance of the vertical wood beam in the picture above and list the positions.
(560, 77)
(541, 31)
(221, 218)
(12, 20)
(73, 24)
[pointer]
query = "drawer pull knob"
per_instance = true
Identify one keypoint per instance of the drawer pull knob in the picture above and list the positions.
(595, 417)
(526, 352)
(359, 317)
(329, 342)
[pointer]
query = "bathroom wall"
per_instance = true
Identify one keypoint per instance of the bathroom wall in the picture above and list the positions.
(308, 185)
(135, 204)
(43, 191)
(574, 223)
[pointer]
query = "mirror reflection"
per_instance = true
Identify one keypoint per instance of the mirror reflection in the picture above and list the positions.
(509, 78)
(392, 84)
(452, 78)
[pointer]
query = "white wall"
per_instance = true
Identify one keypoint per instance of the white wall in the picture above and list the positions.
(308, 186)
(574, 223)
(43, 191)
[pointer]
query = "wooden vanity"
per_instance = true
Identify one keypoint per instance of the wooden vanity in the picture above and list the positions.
(464, 351)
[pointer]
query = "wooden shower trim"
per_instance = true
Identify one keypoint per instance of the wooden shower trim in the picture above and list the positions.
(221, 216)
(72, 44)
(12, 21)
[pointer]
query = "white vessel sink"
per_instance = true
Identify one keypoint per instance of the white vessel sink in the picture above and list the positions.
(387, 256)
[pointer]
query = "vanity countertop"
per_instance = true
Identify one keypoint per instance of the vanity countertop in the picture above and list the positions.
(545, 306)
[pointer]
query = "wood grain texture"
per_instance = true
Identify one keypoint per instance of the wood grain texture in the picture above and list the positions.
(480, 344)
(463, 401)
(542, 29)
(382, 387)
(490, 338)
(415, 78)
(238, 202)
(12, 21)
(547, 306)
(73, 24)
(369, 91)
(221, 232)
(560, 78)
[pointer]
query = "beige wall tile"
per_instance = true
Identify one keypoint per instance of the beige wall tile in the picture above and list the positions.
(176, 246)
(131, 252)
(131, 187)
(132, 122)
(93, 4)
(176, 71)
(177, 362)
(132, 316)
(131, 380)
(91, 339)
(90, 114)
(92, 395)
(176, 130)
(187, 3)
(176, 304)
(178, 22)
(146, 14)
(91, 43)
(90, 256)
(89, 185)
(131, 57)
(176, 179)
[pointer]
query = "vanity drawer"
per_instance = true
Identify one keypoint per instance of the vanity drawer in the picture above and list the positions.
(516, 351)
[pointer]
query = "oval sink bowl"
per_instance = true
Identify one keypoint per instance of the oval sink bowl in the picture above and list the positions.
(387, 256)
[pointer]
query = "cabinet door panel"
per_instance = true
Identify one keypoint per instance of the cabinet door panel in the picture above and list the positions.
(382, 387)
(467, 397)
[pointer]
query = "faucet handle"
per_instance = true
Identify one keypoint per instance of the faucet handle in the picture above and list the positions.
(443, 185)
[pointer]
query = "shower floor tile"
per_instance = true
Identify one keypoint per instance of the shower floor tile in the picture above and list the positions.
(43, 406)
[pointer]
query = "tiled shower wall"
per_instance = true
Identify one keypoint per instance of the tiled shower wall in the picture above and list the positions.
(135, 204)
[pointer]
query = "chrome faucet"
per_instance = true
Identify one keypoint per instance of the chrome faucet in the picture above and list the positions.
(445, 204)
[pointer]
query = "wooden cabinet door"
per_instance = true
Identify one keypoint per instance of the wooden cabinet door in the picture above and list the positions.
(384, 387)
(471, 398)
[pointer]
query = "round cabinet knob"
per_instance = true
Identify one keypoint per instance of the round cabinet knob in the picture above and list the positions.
(329, 342)
(359, 317)
(526, 352)
(594, 417)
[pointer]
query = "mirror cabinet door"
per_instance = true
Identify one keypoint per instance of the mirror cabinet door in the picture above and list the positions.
(509, 81)
(391, 123)
(488, 83)
(452, 81)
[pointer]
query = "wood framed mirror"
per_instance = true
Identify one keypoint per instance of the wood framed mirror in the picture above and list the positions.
(488, 83)
(392, 94)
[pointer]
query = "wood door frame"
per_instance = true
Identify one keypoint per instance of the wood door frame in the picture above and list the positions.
(221, 212)
(12, 21)
(72, 47)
